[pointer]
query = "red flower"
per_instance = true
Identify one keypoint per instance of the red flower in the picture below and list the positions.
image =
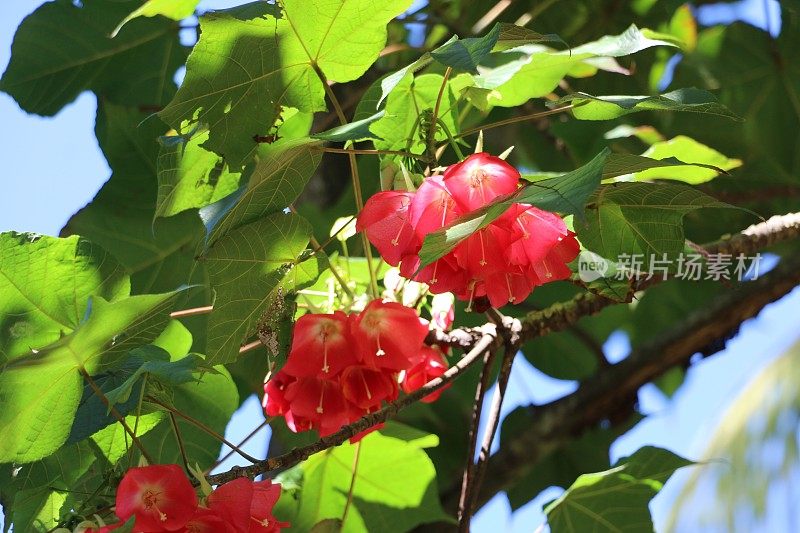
(367, 388)
(433, 207)
(388, 335)
(274, 401)
(246, 506)
(479, 179)
(159, 496)
(205, 521)
(385, 219)
(319, 402)
(320, 346)
(432, 364)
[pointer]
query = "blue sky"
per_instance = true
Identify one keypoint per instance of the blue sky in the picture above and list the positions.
(53, 166)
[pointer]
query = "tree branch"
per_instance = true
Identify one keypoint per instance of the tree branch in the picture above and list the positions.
(599, 396)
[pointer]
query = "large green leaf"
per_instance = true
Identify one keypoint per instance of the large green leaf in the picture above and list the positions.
(189, 176)
(174, 9)
(686, 149)
(615, 500)
(45, 285)
(394, 491)
(566, 194)
(512, 77)
(276, 181)
(249, 268)
(159, 255)
(253, 59)
(40, 392)
(640, 218)
(588, 107)
(39, 493)
(64, 48)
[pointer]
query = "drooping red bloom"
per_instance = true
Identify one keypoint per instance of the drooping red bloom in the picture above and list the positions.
(367, 387)
(388, 335)
(323, 342)
(246, 506)
(205, 521)
(385, 218)
(342, 367)
(431, 364)
(479, 179)
(159, 496)
(319, 402)
(433, 207)
(503, 262)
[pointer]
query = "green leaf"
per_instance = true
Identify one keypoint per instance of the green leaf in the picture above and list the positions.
(394, 490)
(253, 59)
(514, 76)
(40, 392)
(213, 400)
(35, 494)
(329, 525)
(352, 131)
(588, 107)
(687, 149)
(174, 9)
(467, 54)
(38, 407)
(637, 165)
(45, 285)
(114, 442)
(566, 194)
(189, 176)
(50, 65)
(615, 500)
(409, 99)
(155, 365)
(640, 218)
(277, 180)
(248, 268)
(159, 255)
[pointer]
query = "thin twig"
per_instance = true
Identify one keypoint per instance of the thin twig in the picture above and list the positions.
(373, 282)
(477, 408)
(244, 441)
(116, 414)
(352, 483)
(366, 151)
(204, 428)
(194, 311)
(180, 441)
(434, 118)
(486, 342)
(514, 120)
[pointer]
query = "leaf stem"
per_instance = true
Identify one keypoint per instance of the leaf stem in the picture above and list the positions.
(244, 441)
(373, 282)
(514, 120)
(194, 311)
(352, 483)
(201, 426)
(180, 441)
(435, 117)
(332, 150)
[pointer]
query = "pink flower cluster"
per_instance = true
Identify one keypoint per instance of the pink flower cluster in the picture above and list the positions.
(504, 261)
